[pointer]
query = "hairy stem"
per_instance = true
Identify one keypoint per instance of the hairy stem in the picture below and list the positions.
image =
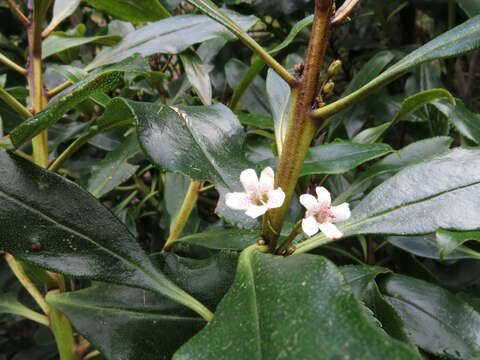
(180, 220)
(301, 127)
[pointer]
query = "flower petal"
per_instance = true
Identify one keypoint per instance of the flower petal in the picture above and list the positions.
(266, 180)
(275, 198)
(310, 226)
(249, 180)
(237, 201)
(255, 211)
(323, 196)
(330, 231)
(341, 212)
(309, 202)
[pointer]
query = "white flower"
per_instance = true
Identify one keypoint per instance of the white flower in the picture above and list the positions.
(259, 195)
(321, 215)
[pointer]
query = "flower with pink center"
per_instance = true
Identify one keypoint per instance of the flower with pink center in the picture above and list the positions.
(320, 215)
(259, 195)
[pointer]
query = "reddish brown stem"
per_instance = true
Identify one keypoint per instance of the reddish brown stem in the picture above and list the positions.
(301, 127)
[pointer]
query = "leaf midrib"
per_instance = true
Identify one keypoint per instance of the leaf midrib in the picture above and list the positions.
(128, 311)
(254, 298)
(392, 209)
(86, 237)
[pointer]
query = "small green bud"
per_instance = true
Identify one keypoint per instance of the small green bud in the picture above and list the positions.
(328, 87)
(334, 68)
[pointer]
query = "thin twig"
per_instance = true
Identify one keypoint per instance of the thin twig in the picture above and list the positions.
(17, 11)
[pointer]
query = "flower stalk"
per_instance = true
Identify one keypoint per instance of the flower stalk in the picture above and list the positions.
(301, 127)
(177, 224)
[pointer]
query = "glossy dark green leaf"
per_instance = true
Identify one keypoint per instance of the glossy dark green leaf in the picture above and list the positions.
(409, 105)
(234, 239)
(292, 308)
(460, 40)
(205, 145)
(449, 241)
(257, 120)
(171, 36)
(465, 122)
(77, 235)
(58, 42)
(255, 98)
(471, 7)
(99, 81)
(126, 323)
(207, 279)
(279, 99)
(358, 277)
(439, 322)
(384, 312)
(135, 12)
(340, 157)
(393, 163)
(425, 246)
(440, 192)
(426, 196)
(198, 76)
(114, 169)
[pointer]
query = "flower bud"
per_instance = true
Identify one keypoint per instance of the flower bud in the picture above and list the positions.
(328, 87)
(298, 68)
(334, 68)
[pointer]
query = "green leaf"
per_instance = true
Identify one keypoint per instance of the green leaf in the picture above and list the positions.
(254, 99)
(295, 30)
(409, 105)
(391, 321)
(358, 277)
(426, 196)
(340, 157)
(471, 7)
(425, 246)
(449, 241)
(460, 40)
(171, 36)
(257, 120)
(78, 236)
(132, 11)
(10, 305)
(293, 307)
(126, 323)
(206, 145)
(393, 163)
(62, 9)
(234, 239)
(198, 76)
(464, 121)
(441, 192)
(439, 322)
(114, 169)
(279, 99)
(98, 82)
(58, 42)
